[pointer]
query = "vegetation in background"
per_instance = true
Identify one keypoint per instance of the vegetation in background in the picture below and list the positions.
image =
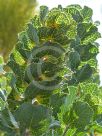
(52, 88)
(13, 16)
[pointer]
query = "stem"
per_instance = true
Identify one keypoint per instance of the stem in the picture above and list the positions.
(27, 133)
(92, 133)
(52, 132)
(65, 131)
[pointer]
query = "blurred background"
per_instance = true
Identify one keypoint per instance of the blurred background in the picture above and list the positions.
(14, 14)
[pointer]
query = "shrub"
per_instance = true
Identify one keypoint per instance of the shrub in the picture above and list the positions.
(13, 16)
(52, 88)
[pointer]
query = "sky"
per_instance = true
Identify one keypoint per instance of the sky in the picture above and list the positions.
(96, 5)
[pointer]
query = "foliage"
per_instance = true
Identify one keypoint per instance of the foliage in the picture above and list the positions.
(13, 16)
(53, 83)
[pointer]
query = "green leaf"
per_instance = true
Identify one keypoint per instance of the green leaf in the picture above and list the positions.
(84, 115)
(43, 13)
(76, 6)
(81, 29)
(69, 100)
(91, 38)
(62, 40)
(74, 60)
(56, 100)
(54, 124)
(8, 122)
(41, 88)
(99, 119)
(16, 56)
(2, 104)
(32, 34)
(88, 51)
(42, 33)
(31, 72)
(74, 10)
(84, 73)
(3, 95)
(30, 116)
(87, 13)
(16, 68)
(13, 121)
(25, 53)
(23, 38)
(87, 32)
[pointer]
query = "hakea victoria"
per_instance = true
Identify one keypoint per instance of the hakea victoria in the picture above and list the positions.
(53, 76)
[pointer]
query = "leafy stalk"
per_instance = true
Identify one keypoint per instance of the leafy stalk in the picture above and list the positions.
(53, 80)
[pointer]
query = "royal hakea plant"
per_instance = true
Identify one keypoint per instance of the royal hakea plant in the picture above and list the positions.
(52, 84)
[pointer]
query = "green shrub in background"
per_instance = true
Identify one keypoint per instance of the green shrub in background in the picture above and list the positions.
(13, 16)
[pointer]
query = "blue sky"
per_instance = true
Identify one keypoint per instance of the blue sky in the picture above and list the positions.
(96, 5)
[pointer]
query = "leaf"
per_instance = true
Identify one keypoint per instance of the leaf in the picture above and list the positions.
(31, 72)
(84, 115)
(62, 19)
(42, 88)
(32, 34)
(91, 38)
(87, 32)
(56, 101)
(69, 99)
(99, 119)
(88, 51)
(62, 40)
(16, 56)
(5, 122)
(2, 104)
(74, 60)
(30, 116)
(51, 18)
(82, 29)
(12, 119)
(16, 68)
(42, 33)
(87, 13)
(54, 124)
(25, 53)
(3, 95)
(84, 73)
(97, 23)
(23, 38)
(71, 132)
(36, 21)
(43, 13)
(49, 48)
(76, 6)
(74, 10)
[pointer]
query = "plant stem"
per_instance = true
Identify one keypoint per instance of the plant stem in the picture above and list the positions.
(52, 132)
(92, 133)
(27, 133)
